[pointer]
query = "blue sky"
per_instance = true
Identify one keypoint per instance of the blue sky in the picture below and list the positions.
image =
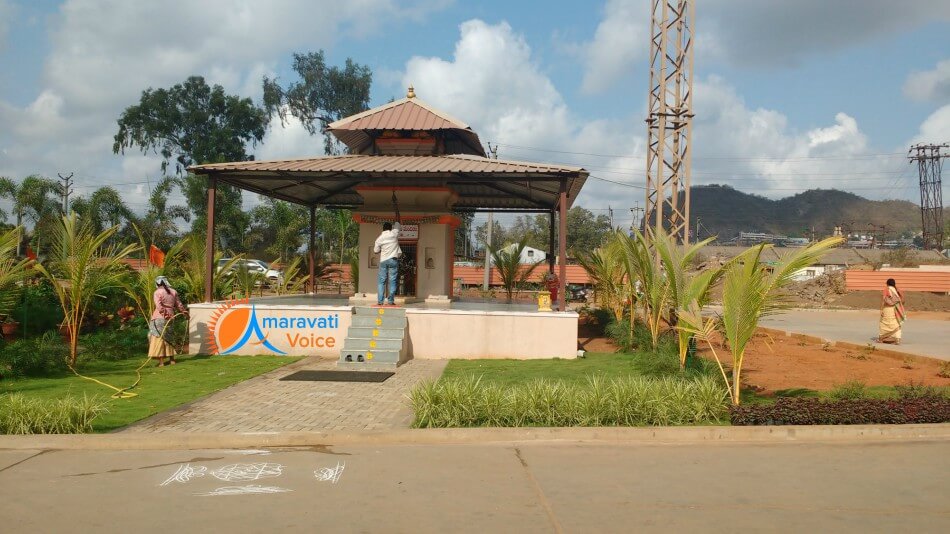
(789, 95)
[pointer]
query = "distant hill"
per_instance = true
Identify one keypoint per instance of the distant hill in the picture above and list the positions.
(725, 212)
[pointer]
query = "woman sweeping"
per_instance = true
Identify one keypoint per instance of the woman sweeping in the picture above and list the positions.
(166, 303)
(892, 314)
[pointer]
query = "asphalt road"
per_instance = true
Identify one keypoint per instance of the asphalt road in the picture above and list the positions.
(529, 487)
(922, 337)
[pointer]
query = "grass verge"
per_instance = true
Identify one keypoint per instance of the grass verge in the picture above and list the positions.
(512, 372)
(161, 388)
(598, 401)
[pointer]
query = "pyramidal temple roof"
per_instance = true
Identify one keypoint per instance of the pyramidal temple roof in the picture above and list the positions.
(413, 120)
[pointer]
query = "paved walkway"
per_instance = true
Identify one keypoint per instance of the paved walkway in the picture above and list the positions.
(520, 487)
(265, 404)
(921, 337)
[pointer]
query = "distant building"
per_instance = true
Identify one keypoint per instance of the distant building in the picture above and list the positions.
(529, 254)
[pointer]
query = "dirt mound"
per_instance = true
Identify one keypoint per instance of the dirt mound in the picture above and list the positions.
(915, 301)
(821, 290)
(828, 291)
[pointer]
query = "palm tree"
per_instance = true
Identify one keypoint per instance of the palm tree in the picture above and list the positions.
(752, 291)
(34, 199)
(13, 271)
(160, 218)
(686, 288)
(140, 285)
(281, 224)
(189, 267)
(605, 267)
(80, 267)
(105, 208)
(641, 265)
(511, 271)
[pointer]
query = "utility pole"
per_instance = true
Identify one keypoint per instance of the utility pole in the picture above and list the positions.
(65, 189)
(610, 213)
(636, 212)
(697, 229)
(487, 276)
(670, 117)
(929, 166)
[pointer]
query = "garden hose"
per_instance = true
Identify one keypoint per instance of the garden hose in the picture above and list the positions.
(125, 393)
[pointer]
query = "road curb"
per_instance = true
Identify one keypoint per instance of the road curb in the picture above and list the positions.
(604, 435)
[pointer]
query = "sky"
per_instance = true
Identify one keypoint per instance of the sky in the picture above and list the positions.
(788, 95)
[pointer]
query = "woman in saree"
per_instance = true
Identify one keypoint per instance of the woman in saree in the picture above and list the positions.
(166, 304)
(892, 314)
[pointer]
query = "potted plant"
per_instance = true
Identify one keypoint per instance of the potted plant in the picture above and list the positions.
(9, 327)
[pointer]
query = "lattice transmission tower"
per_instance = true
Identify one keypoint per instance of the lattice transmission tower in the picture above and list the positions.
(670, 120)
(929, 164)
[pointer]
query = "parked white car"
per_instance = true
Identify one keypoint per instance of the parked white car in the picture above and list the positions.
(273, 276)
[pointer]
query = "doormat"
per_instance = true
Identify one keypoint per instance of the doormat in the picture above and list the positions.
(339, 376)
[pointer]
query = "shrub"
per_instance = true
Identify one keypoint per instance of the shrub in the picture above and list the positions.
(39, 311)
(112, 345)
(33, 357)
(809, 411)
(849, 391)
(628, 401)
(69, 415)
(641, 339)
(920, 391)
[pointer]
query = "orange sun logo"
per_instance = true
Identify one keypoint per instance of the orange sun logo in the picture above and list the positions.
(230, 328)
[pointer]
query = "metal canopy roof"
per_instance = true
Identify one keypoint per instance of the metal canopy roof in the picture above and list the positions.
(409, 114)
(480, 183)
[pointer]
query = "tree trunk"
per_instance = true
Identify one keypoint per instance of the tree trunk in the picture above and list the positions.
(19, 224)
(736, 376)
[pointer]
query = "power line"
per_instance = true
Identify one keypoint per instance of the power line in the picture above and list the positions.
(730, 158)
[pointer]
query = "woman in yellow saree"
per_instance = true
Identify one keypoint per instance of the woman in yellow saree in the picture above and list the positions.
(892, 314)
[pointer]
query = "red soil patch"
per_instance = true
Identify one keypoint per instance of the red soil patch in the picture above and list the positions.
(775, 363)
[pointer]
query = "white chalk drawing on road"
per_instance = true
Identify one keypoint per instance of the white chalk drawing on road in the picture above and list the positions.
(251, 489)
(242, 472)
(330, 474)
(184, 474)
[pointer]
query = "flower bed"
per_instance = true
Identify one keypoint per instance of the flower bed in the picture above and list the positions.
(810, 411)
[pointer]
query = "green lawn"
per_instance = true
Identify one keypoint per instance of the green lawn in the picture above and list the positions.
(509, 372)
(161, 388)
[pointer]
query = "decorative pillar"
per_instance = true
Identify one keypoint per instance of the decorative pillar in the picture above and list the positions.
(551, 255)
(562, 246)
(311, 251)
(209, 240)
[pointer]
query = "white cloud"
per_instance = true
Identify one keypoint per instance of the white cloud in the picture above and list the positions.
(103, 53)
(621, 39)
(492, 82)
(752, 33)
(932, 85)
(935, 129)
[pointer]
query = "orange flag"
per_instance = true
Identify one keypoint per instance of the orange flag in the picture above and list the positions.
(156, 256)
(30, 254)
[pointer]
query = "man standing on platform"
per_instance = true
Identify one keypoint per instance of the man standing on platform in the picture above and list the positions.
(387, 246)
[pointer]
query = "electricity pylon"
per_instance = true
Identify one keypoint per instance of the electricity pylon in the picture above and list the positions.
(669, 124)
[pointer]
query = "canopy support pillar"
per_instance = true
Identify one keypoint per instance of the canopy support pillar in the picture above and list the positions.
(310, 250)
(562, 246)
(209, 241)
(551, 253)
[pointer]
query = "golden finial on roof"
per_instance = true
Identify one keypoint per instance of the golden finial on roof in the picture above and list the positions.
(411, 93)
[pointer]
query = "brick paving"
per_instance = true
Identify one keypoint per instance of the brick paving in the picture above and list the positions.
(265, 404)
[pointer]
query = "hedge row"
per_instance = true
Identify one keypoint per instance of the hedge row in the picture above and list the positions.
(810, 411)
